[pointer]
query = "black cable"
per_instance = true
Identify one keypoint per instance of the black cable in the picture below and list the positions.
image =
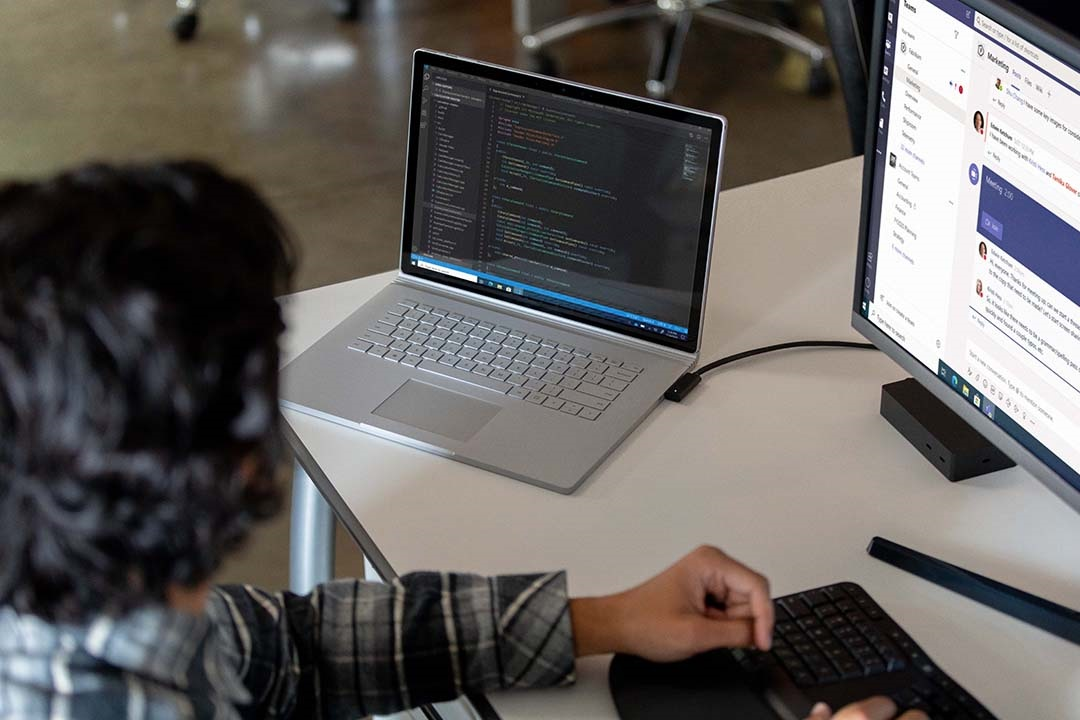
(685, 384)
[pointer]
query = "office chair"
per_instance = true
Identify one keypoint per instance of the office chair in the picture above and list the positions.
(186, 21)
(675, 17)
(849, 25)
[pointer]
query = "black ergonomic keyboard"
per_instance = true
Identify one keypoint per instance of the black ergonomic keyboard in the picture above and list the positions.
(837, 636)
(832, 644)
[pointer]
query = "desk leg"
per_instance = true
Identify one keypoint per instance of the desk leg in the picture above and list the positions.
(311, 535)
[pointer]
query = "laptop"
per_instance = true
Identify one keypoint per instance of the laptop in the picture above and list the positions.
(554, 258)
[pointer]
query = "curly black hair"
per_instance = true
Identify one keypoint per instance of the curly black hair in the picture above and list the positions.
(138, 382)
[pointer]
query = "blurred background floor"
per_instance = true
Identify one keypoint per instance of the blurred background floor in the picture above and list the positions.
(313, 111)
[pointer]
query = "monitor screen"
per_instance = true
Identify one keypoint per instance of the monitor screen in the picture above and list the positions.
(971, 225)
(589, 205)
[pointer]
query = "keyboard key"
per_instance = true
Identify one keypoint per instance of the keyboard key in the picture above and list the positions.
(632, 368)
(524, 357)
(408, 325)
(570, 408)
(394, 355)
(376, 339)
(471, 378)
(533, 384)
(501, 363)
(553, 403)
(446, 324)
(500, 330)
(516, 379)
(518, 367)
(482, 370)
(458, 337)
(492, 347)
(401, 334)
(411, 360)
(456, 317)
(425, 328)
(479, 333)
(576, 373)
(507, 352)
(580, 361)
(437, 311)
(390, 318)
(542, 363)
(534, 373)
(594, 378)
(533, 339)
(383, 328)
(377, 350)
(407, 303)
(499, 374)
(399, 345)
(360, 345)
(536, 398)
(470, 321)
(485, 326)
(597, 391)
(517, 334)
(582, 399)
(466, 365)
(519, 393)
(615, 384)
(530, 347)
(563, 357)
(552, 390)
(546, 352)
(416, 349)
(441, 334)
(484, 357)
(432, 355)
(424, 308)
(588, 413)
(434, 344)
(414, 315)
(467, 353)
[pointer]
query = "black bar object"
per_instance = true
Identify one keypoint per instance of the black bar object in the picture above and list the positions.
(1051, 617)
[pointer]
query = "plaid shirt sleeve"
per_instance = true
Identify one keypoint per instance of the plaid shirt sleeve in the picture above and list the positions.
(356, 648)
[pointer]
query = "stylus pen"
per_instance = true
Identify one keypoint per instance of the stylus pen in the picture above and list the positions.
(1051, 617)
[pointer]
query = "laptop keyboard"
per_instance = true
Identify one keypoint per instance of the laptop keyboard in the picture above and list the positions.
(838, 633)
(557, 376)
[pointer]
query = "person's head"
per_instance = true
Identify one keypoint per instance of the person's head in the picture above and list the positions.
(982, 249)
(138, 382)
(979, 120)
(978, 288)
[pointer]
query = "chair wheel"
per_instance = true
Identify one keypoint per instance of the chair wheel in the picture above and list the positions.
(820, 82)
(184, 26)
(348, 10)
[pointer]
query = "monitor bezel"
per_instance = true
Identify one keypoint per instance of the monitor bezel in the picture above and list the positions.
(709, 121)
(1064, 48)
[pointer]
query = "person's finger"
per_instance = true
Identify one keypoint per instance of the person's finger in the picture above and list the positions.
(875, 708)
(712, 634)
(914, 715)
(820, 711)
(736, 611)
(728, 576)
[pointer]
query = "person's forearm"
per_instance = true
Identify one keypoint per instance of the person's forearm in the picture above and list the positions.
(597, 623)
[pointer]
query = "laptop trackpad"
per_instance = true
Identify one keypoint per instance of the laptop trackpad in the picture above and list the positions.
(438, 411)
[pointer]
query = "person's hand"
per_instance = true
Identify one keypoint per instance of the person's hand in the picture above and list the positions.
(704, 601)
(875, 708)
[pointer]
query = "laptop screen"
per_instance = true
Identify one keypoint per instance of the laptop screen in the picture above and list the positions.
(586, 204)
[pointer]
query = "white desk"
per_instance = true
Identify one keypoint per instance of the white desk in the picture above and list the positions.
(783, 461)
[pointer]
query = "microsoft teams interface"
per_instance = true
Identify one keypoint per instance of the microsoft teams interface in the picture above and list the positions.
(973, 256)
(560, 201)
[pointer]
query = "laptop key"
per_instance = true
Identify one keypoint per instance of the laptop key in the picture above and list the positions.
(563, 356)
(482, 370)
(632, 368)
(470, 377)
(383, 328)
(594, 378)
(377, 350)
(500, 330)
(448, 359)
(425, 308)
(416, 349)
(614, 384)
(575, 373)
(408, 303)
(394, 355)
(533, 384)
(401, 334)
(597, 391)
(621, 374)
(408, 325)
(464, 364)
(411, 360)
(571, 408)
(519, 393)
(397, 310)
(541, 362)
(484, 357)
(516, 379)
(467, 352)
(376, 338)
(414, 315)
(534, 373)
(499, 374)
(432, 355)
(360, 345)
(512, 342)
(552, 390)
(553, 403)
(559, 367)
(588, 413)
(470, 321)
(580, 361)
(399, 345)
(456, 317)
(518, 367)
(485, 326)
(552, 377)
(536, 398)
(533, 339)
(441, 333)
(425, 328)
(582, 399)
(501, 363)
(569, 382)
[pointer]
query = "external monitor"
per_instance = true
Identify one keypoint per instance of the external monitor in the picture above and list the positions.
(969, 256)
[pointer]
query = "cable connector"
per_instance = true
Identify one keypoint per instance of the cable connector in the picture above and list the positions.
(682, 387)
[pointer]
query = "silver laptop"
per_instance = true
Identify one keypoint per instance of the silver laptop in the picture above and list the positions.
(554, 256)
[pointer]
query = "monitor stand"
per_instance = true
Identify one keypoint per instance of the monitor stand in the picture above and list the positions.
(956, 449)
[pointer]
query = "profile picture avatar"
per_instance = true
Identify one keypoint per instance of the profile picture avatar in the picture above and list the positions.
(980, 122)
